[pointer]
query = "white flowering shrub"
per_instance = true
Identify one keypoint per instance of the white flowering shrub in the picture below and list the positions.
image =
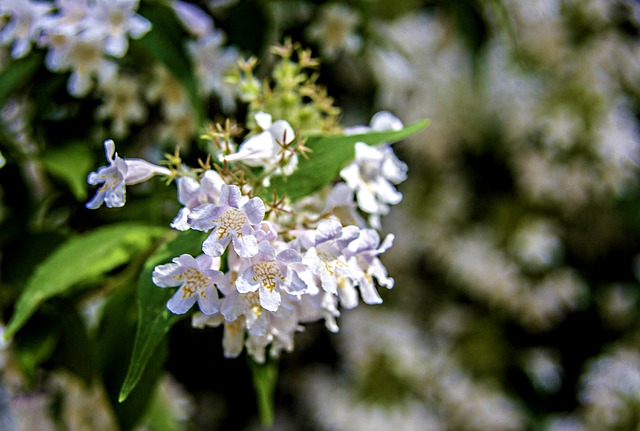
(219, 269)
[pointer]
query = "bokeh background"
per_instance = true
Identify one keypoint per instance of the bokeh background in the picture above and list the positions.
(516, 252)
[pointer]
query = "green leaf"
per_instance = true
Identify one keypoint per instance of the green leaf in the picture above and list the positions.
(78, 259)
(155, 319)
(265, 377)
(164, 43)
(71, 164)
(330, 154)
(17, 74)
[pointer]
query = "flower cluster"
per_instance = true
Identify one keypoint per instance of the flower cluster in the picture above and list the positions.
(266, 268)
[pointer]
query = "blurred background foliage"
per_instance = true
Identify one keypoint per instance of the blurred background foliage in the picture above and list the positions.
(516, 252)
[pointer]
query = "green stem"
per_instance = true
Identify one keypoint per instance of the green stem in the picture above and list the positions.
(265, 377)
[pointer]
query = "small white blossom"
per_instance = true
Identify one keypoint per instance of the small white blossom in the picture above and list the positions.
(24, 24)
(196, 278)
(268, 148)
(271, 272)
(117, 175)
(232, 220)
(192, 194)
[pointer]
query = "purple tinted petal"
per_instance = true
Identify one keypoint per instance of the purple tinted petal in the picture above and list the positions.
(254, 210)
(214, 246)
(328, 230)
(208, 301)
(179, 305)
(202, 217)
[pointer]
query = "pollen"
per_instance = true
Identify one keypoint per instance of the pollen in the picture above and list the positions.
(232, 220)
(268, 274)
(194, 281)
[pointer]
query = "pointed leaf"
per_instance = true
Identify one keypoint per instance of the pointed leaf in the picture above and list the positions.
(78, 259)
(330, 154)
(155, 319)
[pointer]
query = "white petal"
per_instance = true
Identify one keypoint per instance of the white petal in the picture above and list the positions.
(270, 299)
(246, 246)
(263, 120)
(245, 283)
(139, 170)
(328, 230)
(369, 293)
(385, 120)
(282, 132)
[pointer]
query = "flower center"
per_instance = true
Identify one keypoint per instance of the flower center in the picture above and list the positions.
(268, 274)
(232, 220)
(194, 281)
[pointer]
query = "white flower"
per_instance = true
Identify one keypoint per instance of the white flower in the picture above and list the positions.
(268, 149)
(365, 251)
(122, 103)
(326, 259)
(114, 21)
(334, 30)
(196, 278)
(269, 273)
(83, 55)
(24, 24)
(119, 173)
(372, 176)
(232, 220)
(212, 62)
(192, 194)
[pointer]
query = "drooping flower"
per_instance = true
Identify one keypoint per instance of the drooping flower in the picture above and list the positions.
(375, 170)
(326, 259)
(232, 220)
(372, 176)
(192, 194)
(117, 175)
(196, 277)
(364, 252)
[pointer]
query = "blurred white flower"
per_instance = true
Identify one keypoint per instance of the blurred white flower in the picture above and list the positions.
(335, 30)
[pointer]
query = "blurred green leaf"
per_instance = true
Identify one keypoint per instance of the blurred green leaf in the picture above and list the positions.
(330, 154)
(265, 378)
(78, 259)
(155, 319)
(17, 74)
(71, 164)
(165, 43)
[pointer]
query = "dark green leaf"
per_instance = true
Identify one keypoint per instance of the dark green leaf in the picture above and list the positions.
(71, 164)
(330, 154)
(115, 340)
(155, 319)
(78, 259)
(17, 74)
